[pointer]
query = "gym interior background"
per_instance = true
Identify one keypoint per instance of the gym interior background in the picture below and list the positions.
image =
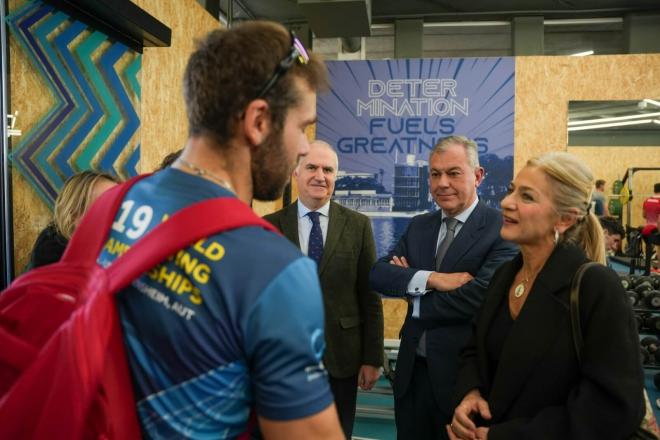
(542, 35)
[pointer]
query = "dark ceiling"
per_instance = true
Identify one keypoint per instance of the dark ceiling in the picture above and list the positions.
(386, 11)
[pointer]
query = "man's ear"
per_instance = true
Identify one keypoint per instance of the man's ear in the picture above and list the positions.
(479, 174)
(256, 124)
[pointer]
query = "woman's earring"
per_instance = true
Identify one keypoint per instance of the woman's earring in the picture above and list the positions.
(556, 236)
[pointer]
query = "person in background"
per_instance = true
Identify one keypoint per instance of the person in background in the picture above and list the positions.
(599, 199)
(614, 233)
(442, 265)
(342, 244)
(651, 206)
(229, 331)
(77, 195)
(520, 377)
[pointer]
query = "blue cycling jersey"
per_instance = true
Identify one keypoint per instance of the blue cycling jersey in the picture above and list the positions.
(231, 323)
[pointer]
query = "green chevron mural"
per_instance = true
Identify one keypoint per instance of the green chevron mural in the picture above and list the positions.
(94, 121)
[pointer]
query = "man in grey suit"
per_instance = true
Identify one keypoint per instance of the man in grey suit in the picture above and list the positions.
(341, 242)
(442, 265)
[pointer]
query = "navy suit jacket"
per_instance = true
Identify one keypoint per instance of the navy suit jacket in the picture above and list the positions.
(445, 316)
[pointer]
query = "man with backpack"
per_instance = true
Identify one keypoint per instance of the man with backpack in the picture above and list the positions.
(232, 325)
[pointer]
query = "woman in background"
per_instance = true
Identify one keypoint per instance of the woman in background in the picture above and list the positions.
(77, 195)
(520, 377)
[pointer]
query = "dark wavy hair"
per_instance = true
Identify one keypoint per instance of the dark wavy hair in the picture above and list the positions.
(227, 71)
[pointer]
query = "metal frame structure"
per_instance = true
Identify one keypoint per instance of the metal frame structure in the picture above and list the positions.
(6, 219)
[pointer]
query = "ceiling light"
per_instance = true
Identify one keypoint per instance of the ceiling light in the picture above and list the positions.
(581, 21)
(614, 119)
(656, 121)
(611, 124)
(583, 54)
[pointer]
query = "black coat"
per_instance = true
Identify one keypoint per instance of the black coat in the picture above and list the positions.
(539, 391)
(48, 248)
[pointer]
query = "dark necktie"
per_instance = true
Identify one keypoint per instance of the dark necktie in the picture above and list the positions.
(439, 256)
(315, 245)
(446, 241)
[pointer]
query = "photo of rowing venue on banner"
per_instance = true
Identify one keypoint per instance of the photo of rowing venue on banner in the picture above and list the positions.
(391, 208)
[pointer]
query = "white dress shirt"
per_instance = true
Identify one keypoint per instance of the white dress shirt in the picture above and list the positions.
(417, 284)
(305, 224)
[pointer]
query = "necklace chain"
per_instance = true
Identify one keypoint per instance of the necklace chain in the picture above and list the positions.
(201, 172)
(519, 290)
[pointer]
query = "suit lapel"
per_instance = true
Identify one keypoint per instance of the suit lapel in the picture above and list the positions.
(336, 222)
(467, 236)
(290, 223)
(428, 241)
(534, 331)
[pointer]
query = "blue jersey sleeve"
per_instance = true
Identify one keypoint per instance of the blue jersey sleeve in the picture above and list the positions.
(284, 343)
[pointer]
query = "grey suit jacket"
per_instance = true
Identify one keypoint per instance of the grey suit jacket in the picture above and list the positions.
(353, 312)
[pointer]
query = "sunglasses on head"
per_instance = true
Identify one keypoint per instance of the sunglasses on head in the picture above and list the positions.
(297, 53)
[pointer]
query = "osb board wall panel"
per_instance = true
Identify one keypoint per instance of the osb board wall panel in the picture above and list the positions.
(163, 118)
(545, 85)
(30, 212)
(611, 163)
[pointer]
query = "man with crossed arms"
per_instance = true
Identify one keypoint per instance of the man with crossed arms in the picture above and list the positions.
(442, 265)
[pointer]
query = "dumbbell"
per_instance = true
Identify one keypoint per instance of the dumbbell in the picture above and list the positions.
(642, 279)
(652, 299)
(626, 282)
(634, 298)
(650, 345)
(655, 281)
(643, 287)
(652, 323)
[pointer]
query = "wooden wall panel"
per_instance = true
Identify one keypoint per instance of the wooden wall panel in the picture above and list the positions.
(611, 163)
(30, 96)
(545, 85)
(164, 123)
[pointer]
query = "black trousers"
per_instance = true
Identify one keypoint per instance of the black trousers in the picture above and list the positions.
(416, 413)
(344, 391)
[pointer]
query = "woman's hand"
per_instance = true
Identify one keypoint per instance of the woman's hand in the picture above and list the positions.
(462, 426)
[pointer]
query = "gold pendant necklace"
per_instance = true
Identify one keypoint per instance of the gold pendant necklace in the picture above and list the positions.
(519, 290)
(201, 172)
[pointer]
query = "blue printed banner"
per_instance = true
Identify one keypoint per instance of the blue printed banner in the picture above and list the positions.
(384, 117)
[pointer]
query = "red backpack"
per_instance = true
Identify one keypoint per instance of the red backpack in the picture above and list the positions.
(63, 369)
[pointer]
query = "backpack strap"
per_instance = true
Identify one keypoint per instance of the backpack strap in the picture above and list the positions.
(86, 242)
(574, 306)
(185, 227)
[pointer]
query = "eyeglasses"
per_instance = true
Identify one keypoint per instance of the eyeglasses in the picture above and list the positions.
(296, 54)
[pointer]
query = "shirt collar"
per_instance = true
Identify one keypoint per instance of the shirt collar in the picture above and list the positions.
(303, 210)
(463, 216)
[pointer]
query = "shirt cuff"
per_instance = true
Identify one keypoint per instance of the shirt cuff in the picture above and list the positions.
(417, 284)
(415, 303)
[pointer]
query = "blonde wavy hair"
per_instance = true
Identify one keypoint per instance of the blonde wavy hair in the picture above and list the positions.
(572, 184)
(74, 199)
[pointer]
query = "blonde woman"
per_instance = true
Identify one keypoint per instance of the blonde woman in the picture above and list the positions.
(77, 195)
(519, 376)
